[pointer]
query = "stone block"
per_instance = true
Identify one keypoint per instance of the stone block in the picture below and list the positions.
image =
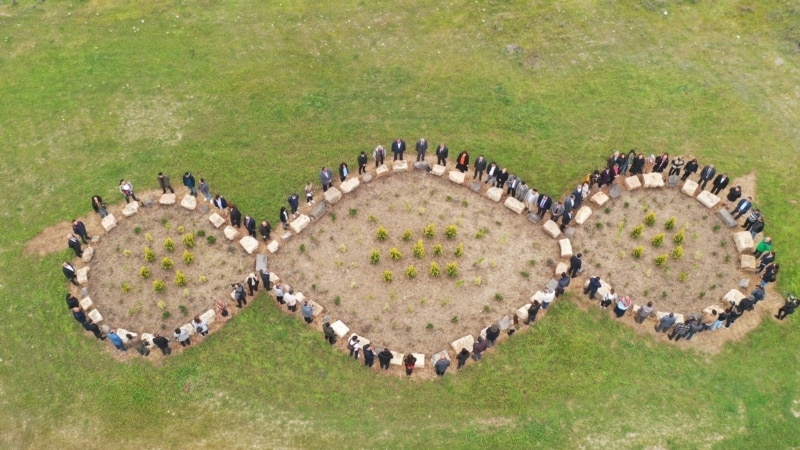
(286, 236)
(399, 166)
(727, 218)
(167, 199)
(422, 165)
(216, 220)
(504, 323)
(600, 198)
(361, 340)
(494, 194)
(262, 262)
(332, 195)
(672, 181)
(340, 328)
(84, 292)
(86, 303)
(318, 210)
(349, 185)
(209, 316)
(318, 309)
(551, 284)
(707, 199)
(583, 214)
(744, 283)
(748, 263)
(123, 334)
(300, 223)
(148, 337)
(274, 278)
(614, 191)
(189, 202)
(464, 342)
(249, 244)
(522, 312)
(570, 232)
(420, 363)
(605, 288)
(130, 209)
(88, 254)
(632, 183)
(743, 241)
(397, 359)
(689, 187)
(381, 170)
(475, 186)
(438, 355)
(95, 316)
(273, 247)
(533, 217)
(456, 176)
(653, 180)
(439, 171)
(299, 296)
(561, 267)
(552, 229)
(366, 178)
(566, 248)
(231, 233)
(148, 202)
(83, 275)
(109, 222)
(734, 295)
(514, 205)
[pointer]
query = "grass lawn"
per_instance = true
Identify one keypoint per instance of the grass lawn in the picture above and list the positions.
(256, 96)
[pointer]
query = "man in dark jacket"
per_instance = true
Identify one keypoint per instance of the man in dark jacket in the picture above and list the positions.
(385, 358)
(720, 183)
(422, 147)
(480, 167)
(80, 230)
(188, 181)
(706, 175)
(163, 181)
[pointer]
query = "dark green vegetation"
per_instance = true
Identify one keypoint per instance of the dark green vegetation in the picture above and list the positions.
(255, 97)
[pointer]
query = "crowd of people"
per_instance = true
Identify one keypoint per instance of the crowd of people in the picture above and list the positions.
(540, 204)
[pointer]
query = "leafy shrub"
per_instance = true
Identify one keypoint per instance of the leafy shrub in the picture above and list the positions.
(435, 270)
(381, 234)
(669, 224)
(658, 240)
(352, 212)
(451, 231)
(661, 260)
(387, 276)
(148, 237)
(374, 256)
(677, 252)
(137, 230)
(407, 235)
(411, 271)
(180, 278)
(188, 257)
(395, 254)
(637, 252)
(159, 285)
(679, 238)
(165, 315)
(211, 240)
(459, 250)
(167, 263)
(201, 233)
(419, 249)
(438, 249)
(184, 310)
(188, 240)
(650, 219)
(637, 231)
(429, 231)
(125, 287)
(683, 276)
(203, 279)
(372, 219)
(481, 233)
(144, 272)
(498, 296)
(169, 245)
(149, 254)
(181, 229)
(477, 281)
(452, 270)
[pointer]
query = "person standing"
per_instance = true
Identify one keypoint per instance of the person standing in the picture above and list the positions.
(666, 323)
(307, 310)
(310, 193)
(188, 181)
(544, 203)
(409, 362)
(623, 303)
(78, 314)
(264, 273)
(250, 225)
(752, 218)
(379, 154)
(354, 346)
(501, 178)
(480, 167)
(369, 355)
(220, 202)
(163, 181)
(79, 229)
(74, 244)
(116, 340)
(478, 348)
(92, 327)
(277, 290)
(330, 335)
(398, 148)
(265, 230)
(72, 301)
(644, 312)
(661, 163)
(608, 299)
(422, 147)
(706, 175)
(563, 283)
(770, 274)
(592, 287)
(742, 207)
(675, 167)
(767, 259)
(290, 300)
(163, 344)
(734, 193)
(205, 190)
(720, 183)
(462, 357)
(575, 264)
(326, 178)
(533, 310)
(126, 189)
(294, 203)
(200, 326)
(99, 206)
(385, 357)
(239, 295)
(440, 367)
(236, 216)
(284, 215)
(492, 333)
(788, 307)
(362, 163)
(690, 169)
(763, 247)
(757, 227)
(441, 154)
(680, 330)
(462, 162)
(343, 171)
(252, 283)
(182, 336)
(69, 271)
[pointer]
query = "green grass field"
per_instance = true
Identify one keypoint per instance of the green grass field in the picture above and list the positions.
(256, 96)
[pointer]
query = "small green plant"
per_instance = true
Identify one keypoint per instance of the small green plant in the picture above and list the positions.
(387, 276)
(637, 252)
(137, 230)
(211, 240)
(607, 210)
(343, 248)
(650, 219)
(698, 255)
(451, 231)
(165, 315)
(337, 300)
(677, 252)
(429, 326)
(159, 285)
(429, 231)
(333, 217)
(148, 237)
(125, 287)
(669, 225)
(374, 256)
(169, 245)
(498, 296)
(188, 240)
(188, 257)
(658, 240)
(477, 281)
(702, 294)
(149, 254)
(481, 233)
(435, 270)
(459, 250)
(454, 319)
(716, 228)
(419, 249)
(599, 225)
(683, 276)
(421, 210)
(411, 272)
(438, 249)
(352, 212)
(201, 233)
(637, 231)
(395, 254)
(181, 229)
(302, 248)
(407, 235)
(679, 238)
(661, 260)
(452, 270)
(184, 310)
(525, 274)
(203, 279)
(180, 278)
(381, 234)
(144, 272)
(162, 305)
(167, 263)
(532, 262)
(626, 205)
(372, 219)
(127, 253)
(487, 309)
(137, 308)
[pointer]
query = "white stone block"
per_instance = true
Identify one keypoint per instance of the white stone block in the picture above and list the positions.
(456, 176)
(189, 202)
(734, 295)
(381, 170)
(707, 199)
(83, 275)
(522, 312)
(561, 267)
(130, 209)
(300, 297)
(216, 220)
(438, 355)
(494, 193)
(300, 223)
(748, 263)
(399, 166)
(538, 295)
(632, 183)
(95, 316)
(464, 342)
(350, 185)
(318, 309)
(689, 188)
(231, 233)
(209, 316)
(600, 198)
(86, 303)
(109, 222)
(438, 170)
(332, 195)
(249, 244)
(167, 199)
(261, 262)
(397, 359)
(514, 205)
(340, 328)
(566, 248)
(583, 214)
(286, 236)
(274, 278)
(420, 363)
(744, 241)
(273, 247)
(123, 334)
(552, 229)
(653, 180)
(88, 254)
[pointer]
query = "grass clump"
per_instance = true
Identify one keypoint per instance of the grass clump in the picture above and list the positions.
(669, 225)
(435, 271)
(451, 231)
(188, 240)
(159, 285)
(411, 272)
(381, 234)
(637, 252)
(188, 257)
(419, 249)
(395, 254)
(679, 238)
(374, 256)
(167, 263)
(637, 231)
(387, 276)
(661, 260)
(149, 254)
(180, 278)
(438, 250)
(211, 240)
(144, 272)
(459, 251)
(452, 270)
(429, 231)
(658, 240)
(677, 252)
(407, 235)
(650, 219)
(169, 245)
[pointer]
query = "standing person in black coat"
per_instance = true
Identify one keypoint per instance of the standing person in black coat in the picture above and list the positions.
(385, 358)
(492, 333)
(236, 216)
(398, 148)
(706, 175)
(188, 181)
(250, 225)
(462, 358)
(99, 206)
(74, 244)
(637, 166)
(720, 183)
(163, 181)
(70, 272)
(501, 179)
(544, 203)
(163, 344)
(480, 166)
(265, 230)
(284, 215)
(369, 355)
(441, 154)
(80, 229)
(690, 169)
(294, 202)
(575, 265)
(734, 193)
(422, 147)
(462, 162)
(409, 362)
(362, 163)
(344, 171)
